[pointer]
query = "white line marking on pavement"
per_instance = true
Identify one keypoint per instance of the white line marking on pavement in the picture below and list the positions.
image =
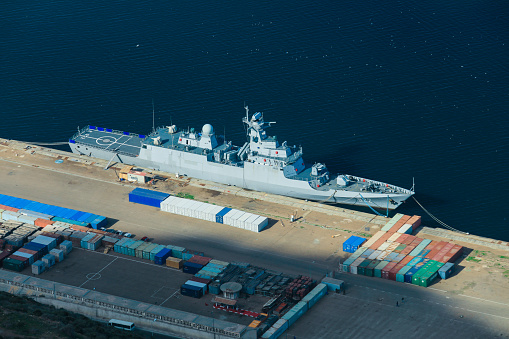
(161, 304)
(491, 301)
(436, 289)
(111, 262)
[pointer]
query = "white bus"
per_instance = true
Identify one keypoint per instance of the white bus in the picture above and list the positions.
(123, 325)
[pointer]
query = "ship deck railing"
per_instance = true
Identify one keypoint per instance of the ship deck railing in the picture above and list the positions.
(108, 130)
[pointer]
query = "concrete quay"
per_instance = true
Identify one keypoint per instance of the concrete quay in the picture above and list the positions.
(474, 302)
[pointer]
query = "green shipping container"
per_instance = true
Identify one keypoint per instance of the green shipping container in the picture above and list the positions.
(139, 250)
(428, 277)
(371, 268)
(378, 269)
(13, 264)
(132, 250)
(361, 269)
(147, 250)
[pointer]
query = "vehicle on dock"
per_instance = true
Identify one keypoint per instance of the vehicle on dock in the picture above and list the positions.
(261, 164)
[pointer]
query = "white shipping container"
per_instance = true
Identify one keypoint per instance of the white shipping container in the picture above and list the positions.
(207, 212)
(384, 246)
(10, 215)
(201, 210)
(394, 237)
(405, 229)
(249, 222)
(227, 216)
(214, 212)
(374, 255)
(182, 207)
(260, 223)
(242, 221)
(177, 205)
(195, 209)
(236, 219)
(188, 208)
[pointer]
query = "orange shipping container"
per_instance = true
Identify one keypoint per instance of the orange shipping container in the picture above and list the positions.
(399, 223)
(415, 221)
(381, 240)
(43, 222)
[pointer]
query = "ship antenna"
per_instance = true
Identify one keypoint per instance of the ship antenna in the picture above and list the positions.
(153, 117)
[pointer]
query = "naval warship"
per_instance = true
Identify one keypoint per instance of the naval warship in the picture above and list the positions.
(261, 164)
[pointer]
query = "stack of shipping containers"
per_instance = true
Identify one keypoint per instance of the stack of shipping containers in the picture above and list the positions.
(393, 253)
(214, 213)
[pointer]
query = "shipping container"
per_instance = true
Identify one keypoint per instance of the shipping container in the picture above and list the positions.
(391, 222)
(387, 269)
(155, 251)
(295, 312)
(38, 267)
(361, 268)
(400, 276)
(404, 220)
(59, 254)
(197, 284)
(276, 329)
(369, 271)
(191, 291)
(161, 256)
(415, 221)
(177, 251)
(48, 260)
(373, 239)
(147, 197)
(174, 262)
(315, 294)
(377, 272)
(447, 270)
(148, 249)
(453, 254)
(191, 267)
(334, 285)
(28, 256)
(13, 264)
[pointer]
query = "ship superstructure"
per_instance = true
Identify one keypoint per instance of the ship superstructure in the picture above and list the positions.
(261, 164)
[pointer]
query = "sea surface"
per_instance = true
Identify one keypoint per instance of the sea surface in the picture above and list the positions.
(400, 91)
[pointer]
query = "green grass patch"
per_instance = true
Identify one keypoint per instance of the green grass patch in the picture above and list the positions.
(185, 195)
(504, 257)
(473, 259)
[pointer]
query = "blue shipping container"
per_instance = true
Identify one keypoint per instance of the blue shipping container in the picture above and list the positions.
(147, 197)
(160, 258)
(191, 291)
(191, 267)
(221, 214)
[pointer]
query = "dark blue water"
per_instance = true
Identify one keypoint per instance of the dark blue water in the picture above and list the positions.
(393, 91)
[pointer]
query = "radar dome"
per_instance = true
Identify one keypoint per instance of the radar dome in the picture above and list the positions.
(207, 130)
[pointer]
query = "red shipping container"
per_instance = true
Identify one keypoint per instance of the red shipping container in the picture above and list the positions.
(402, 238)
(434, 251)
(446, 249)
(22, 259)
(34, 253)
(400, 265)
(201, 280)
(387, 268)
(453, 254)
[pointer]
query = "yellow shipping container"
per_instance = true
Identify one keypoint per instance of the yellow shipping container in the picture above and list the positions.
(174, 262)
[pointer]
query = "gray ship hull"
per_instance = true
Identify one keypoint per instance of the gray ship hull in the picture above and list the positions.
(249, 175)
